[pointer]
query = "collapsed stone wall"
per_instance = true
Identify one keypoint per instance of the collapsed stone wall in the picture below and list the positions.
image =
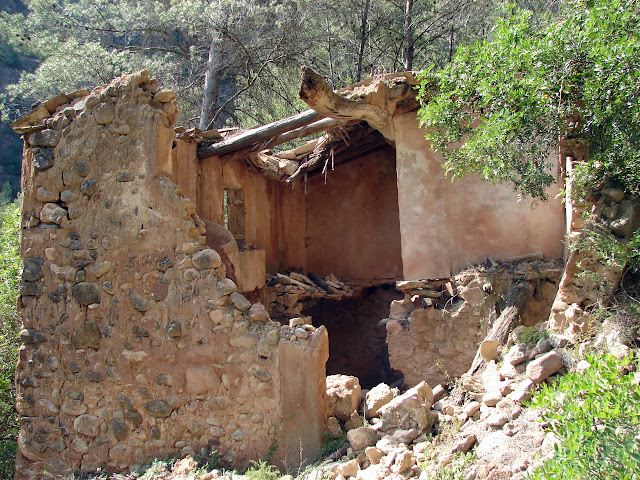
(434, 332)
(136, 345)
(589, 279)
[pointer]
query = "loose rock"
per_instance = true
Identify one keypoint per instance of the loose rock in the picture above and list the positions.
(543, 367)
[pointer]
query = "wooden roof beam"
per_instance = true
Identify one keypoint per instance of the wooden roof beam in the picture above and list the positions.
(255, 135)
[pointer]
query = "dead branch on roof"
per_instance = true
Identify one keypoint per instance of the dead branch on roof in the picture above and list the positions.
(265, 144)
(316, 93)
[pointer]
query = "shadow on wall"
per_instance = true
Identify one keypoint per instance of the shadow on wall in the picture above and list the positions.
(357, 343)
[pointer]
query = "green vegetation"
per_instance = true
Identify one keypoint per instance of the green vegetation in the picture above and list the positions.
(596, 415)
(456, 469)
(10, 265)
(532, 334)
(212, 460)
(262, 470)
(330, 445)
(539, 80)
(457, 466)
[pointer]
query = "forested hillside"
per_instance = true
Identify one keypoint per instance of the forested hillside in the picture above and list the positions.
(231, 62)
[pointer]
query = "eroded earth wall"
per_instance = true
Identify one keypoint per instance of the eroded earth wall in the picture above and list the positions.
(136, 345)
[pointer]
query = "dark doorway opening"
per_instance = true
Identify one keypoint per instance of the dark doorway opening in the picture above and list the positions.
(357, 343)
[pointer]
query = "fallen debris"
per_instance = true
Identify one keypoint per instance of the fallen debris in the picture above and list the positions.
(286, 296)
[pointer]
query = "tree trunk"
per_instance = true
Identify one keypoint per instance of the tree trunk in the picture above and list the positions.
(363, 38)
(516, 300)
(329, 52)
(451, 44)
(316, 93)
(211, 82)
(408, 36)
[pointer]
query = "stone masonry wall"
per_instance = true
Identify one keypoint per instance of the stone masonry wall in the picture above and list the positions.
(135, 343)
(434, 333)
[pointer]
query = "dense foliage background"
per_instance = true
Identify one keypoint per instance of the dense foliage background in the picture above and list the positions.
(231, 62)
(10, 265)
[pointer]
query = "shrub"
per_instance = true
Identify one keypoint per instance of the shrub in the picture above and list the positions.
(504, 104)
(261, 470)
(596, 415)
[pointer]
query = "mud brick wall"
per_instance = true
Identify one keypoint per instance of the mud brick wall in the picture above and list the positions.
(136, 344)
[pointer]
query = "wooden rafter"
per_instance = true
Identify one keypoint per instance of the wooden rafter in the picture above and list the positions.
(256, 135)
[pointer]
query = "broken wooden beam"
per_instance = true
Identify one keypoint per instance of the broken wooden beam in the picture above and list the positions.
(266, 144)
(319, 126)
(360, 142)
(258, 134)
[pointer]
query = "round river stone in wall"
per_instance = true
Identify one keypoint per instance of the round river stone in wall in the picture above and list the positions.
(89, 187)
(134, 418)
(81, 168)
(43, 159)
(86, 293)
(119, 428)
(138, 301)
(157, 408)
(32, 270)
(87, 425)
(52, 213)
(31, 336)
(206, 258)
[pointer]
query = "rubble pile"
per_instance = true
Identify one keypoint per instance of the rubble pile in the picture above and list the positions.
(433, 332)
(420, 432)
(424, 293)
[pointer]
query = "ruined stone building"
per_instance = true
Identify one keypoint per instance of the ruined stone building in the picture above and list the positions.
(188, 290)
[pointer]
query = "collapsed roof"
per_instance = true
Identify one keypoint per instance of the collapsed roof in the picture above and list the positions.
(355, 121)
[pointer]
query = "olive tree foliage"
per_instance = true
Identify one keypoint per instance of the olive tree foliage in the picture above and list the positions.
(505, 103)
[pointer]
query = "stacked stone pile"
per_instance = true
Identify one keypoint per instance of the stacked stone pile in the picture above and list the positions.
(614, 212)
(287, 295)
(419, 432)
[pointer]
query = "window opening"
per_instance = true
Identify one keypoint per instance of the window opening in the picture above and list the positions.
(233, 204)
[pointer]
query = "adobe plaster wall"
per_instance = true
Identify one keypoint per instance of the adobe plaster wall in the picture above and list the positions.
(136, 345)
(353, 229)
(446, 225)
(347, 226)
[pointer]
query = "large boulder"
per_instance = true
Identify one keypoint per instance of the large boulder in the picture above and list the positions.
(343, 396)
(361, 438)
(409, 410)
(376, 398)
